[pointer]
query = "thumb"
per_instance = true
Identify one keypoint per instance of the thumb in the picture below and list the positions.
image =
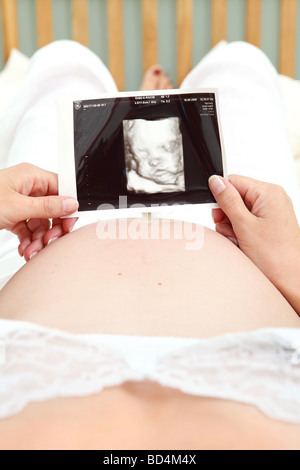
(229, 199)
(49, 207)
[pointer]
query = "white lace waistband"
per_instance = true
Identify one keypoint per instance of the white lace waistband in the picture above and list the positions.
(261, 368)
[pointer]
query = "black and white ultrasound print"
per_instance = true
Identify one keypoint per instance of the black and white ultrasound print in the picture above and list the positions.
(154, 155)
(154, 150)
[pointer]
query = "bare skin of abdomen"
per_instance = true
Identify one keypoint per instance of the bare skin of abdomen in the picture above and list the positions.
(82, 284)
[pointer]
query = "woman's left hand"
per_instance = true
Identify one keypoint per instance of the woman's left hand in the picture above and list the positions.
(28, 200)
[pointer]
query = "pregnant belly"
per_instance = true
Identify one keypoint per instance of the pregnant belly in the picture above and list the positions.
(85, 284)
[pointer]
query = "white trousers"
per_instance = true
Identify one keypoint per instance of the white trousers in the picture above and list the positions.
(251, 107)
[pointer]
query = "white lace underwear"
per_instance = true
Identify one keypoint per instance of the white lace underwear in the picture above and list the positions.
(261, 368)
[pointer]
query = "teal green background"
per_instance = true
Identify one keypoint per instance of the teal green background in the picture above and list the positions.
(166, 29)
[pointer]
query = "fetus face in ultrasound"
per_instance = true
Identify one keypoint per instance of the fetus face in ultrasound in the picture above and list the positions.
(154, 155)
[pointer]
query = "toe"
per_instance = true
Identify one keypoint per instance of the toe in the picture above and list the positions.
(165, 82)
(151, 78)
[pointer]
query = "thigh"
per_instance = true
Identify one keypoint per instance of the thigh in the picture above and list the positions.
(28, 130)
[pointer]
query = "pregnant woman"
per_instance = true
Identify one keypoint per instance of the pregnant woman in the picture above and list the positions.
(142, 344)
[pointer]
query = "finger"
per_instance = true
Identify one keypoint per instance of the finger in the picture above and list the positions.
(54, 234)
(68, 224)
(243, 183)
(219, 216)
(56, 221)
(23, 245)
(223, 224)
(249, 188)
(35, 224)
(60, 227)
(38, 228)
(24, 235)
(38, 182)
(22, 231)
(262, 199)
(47, 207)
(34, 248)
(39, 233)
(226, 230)
(229, 200)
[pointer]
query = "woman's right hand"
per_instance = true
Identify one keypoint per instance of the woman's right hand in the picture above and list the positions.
(260, 216)
(28, 200)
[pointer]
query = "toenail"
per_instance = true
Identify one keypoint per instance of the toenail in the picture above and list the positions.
(157, 72)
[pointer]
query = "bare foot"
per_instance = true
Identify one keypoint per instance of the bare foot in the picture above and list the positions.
(156, 79)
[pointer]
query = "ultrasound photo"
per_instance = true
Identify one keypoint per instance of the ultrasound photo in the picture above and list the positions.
(154, 156)
(155, 150)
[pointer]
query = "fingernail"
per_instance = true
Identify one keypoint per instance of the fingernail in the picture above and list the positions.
(70, 205)
(33, 255)
(216, 184)
(233, 240)
(157, 71)
(52, 240)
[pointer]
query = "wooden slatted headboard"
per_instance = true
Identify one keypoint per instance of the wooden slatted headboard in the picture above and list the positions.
(184, 8)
